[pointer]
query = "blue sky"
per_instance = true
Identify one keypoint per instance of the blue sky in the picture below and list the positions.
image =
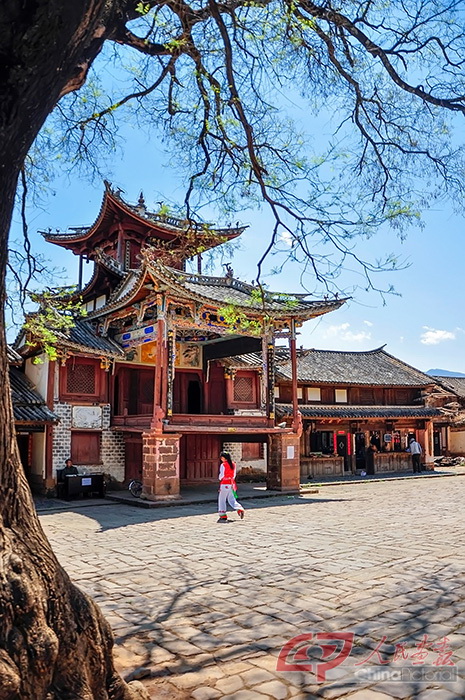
(423, 326)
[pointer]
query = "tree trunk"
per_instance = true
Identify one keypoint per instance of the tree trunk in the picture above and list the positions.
(54, 641)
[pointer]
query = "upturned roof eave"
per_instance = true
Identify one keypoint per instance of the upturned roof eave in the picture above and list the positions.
(160, 274)
(164, 274)
(109, 198)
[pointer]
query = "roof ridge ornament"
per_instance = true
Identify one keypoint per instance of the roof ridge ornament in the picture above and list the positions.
(141, 207)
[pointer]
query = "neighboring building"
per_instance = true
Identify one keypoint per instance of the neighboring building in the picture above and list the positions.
(452, 435)
(140, 385)
(32, 418)
(352, 401)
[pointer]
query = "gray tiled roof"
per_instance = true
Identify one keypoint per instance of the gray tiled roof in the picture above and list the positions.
(353, 412)
(456, 384)
(253, 360)
(225, 290)
(375, 367)
(28, 405)
(219, 290)
(84, 335)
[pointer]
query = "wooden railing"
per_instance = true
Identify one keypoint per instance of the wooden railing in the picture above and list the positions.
(200, 420)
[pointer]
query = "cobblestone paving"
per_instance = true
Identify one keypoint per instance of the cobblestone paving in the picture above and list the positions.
(207, 607)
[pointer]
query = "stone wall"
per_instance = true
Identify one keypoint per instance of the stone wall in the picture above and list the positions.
(160, 466)
(112, 451)
(235, 450)
(61, 435)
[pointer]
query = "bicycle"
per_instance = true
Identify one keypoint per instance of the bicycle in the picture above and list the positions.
(135, 488)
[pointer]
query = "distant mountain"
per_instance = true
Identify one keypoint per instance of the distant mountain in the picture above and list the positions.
(444, 373)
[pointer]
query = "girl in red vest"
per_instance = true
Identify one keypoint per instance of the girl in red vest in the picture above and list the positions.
(227, 490)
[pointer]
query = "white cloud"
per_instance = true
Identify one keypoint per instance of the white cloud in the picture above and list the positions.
(342, 332)
(286, 238)
(368, 323)
(433, 336)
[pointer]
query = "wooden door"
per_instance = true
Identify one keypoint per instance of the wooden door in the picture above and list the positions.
(342, 448)
(252, 450)
(216, 390)
(133, 457)
(145, 394)
(200, 458)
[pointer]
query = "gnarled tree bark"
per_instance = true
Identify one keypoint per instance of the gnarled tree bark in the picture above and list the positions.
(54, 641)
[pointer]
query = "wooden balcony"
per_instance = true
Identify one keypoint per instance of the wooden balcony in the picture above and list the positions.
(137, 423)
(198, 423)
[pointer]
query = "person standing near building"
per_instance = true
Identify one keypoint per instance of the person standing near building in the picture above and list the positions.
(415, 450)
(69, 469)
(227, 490)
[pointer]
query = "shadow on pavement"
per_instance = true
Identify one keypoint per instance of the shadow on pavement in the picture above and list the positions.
(112, 515)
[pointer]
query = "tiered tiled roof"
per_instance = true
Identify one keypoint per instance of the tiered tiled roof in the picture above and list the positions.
(216, 291)
(245, 297)
(112, 201)
(374, 368)
(28, 406)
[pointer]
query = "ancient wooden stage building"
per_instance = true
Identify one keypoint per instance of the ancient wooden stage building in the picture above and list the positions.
(142, 385)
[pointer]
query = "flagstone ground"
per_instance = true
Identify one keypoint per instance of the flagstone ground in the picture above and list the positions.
(202, 610)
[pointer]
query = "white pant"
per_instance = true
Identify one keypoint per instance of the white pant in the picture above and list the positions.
(226, 495)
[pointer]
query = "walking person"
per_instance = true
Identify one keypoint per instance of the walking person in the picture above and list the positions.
(415, 450)
(227, 490)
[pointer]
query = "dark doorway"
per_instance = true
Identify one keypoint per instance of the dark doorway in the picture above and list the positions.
(187, 392)
(24, 446)
(194, 396)
(360, 451)
(437, 443)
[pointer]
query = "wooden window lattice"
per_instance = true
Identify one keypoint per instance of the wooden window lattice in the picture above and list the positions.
(243, 390)
(81, 379)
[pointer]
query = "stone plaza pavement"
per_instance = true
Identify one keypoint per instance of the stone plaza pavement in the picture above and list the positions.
(203, 609)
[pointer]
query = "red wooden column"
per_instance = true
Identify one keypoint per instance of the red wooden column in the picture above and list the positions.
(160, 451)
(229, 375)
(295, 402)
(170, 353)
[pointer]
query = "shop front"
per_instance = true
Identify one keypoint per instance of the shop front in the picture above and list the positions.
(332, 447)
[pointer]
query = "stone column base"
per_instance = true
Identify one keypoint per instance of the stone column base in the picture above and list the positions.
(160, 466)
(284, 463)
